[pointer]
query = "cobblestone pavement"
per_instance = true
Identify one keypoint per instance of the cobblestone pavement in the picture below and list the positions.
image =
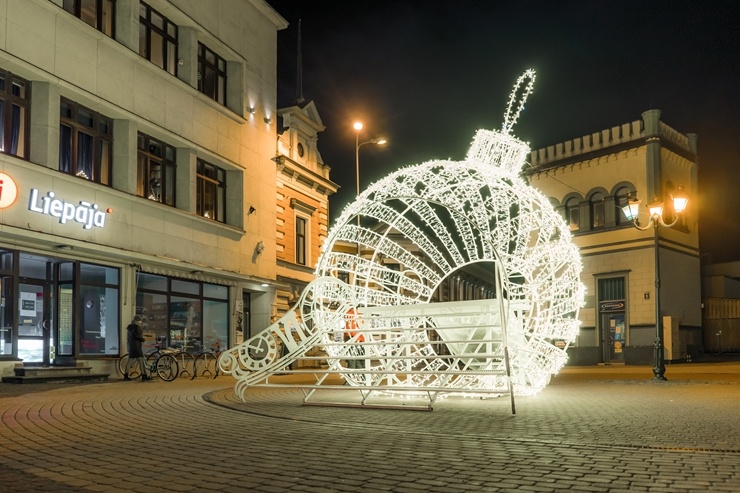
(594, 429)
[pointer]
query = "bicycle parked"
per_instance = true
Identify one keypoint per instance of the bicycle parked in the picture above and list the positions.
(149, 356)
(206, 362)
(158, 363)
(185, 359)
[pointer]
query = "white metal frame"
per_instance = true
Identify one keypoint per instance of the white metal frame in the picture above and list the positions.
(433, 219)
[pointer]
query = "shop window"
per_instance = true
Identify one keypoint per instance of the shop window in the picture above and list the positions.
(97, 13)
(188, 314)
(157, 39)
(185, 323)
(14, 121)
(6, 260)
(99, 319)
(215, 324)
(211, 191)
(156, 170)
(300, 240)
(6, 316)
(211, 74)
(85, 143)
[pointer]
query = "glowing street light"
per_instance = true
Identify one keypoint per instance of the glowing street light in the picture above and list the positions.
(358, 126)
(631, 210)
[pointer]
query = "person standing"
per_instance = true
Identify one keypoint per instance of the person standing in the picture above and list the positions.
(352, 334)
(135, 353)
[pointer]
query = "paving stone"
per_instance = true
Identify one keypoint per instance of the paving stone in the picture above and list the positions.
(579, 434)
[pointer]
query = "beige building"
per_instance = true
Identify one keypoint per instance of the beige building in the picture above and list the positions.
(137, 175)
(303, 190)
(589, 179)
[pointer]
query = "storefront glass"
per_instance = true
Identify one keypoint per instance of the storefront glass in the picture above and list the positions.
(99, 319)
(6, 316)
(181, 313)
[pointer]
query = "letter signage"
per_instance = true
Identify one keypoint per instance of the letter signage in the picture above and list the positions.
(85, 213)
(8, 191)
(611, 306)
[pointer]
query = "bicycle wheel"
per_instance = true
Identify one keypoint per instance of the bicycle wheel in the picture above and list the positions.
(205, 364)
(186, 363)
(216, 357)
(123, 363)
(167, 367)
(151, 356)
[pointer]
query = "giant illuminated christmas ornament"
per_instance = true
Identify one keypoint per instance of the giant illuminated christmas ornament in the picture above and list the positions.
(371, 320)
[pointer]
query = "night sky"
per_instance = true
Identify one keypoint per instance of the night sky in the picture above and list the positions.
(427, 74)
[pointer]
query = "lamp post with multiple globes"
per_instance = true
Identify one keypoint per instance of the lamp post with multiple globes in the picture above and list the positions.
(358, 126)
(631, 211)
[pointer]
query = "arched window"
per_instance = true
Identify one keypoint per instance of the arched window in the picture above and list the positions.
(621, 197)
(596, 205)
(573, 214)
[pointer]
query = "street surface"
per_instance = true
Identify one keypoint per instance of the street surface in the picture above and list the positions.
(595, 429)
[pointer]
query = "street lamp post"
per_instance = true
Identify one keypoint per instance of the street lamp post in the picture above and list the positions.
(379, 141)
(631, 210)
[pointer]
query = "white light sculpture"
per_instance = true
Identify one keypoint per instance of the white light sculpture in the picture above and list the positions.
(433, 219)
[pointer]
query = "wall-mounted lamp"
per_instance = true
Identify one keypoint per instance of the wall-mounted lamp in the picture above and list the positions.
(252, 110)
(268, 120)
(64, 247)
(251, 210)
(259, 248)
(279, 159)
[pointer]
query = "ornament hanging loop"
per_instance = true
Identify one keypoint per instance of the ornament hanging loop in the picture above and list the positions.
(515, 108)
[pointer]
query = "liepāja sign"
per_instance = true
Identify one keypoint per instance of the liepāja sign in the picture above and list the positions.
(86, 213)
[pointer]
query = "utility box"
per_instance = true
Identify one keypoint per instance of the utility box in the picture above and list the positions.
(674, 346)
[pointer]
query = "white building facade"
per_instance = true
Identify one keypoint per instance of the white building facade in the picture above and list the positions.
(136, 175)
(589, 179)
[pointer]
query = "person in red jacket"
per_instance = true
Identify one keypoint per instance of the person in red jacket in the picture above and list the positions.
(351, 329)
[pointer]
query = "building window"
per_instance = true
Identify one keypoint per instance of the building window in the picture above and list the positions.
(211, 191)
(157, 39)
(99, 297)
(182, 313)
(85, 143)
(211, 74)
(156, 170)
(13, 115)
(98, 13)
(621, 198)
(300, 240)
(573, 214)
(596, 203)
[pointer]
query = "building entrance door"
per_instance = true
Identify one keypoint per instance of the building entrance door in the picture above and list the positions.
(35, 334)
(614, 338)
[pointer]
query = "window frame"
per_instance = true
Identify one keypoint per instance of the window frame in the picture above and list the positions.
(99, 136)
(74, 7)
(204, 66)
(596, 206)
(168, 40)
(168, 170)
(621, 199)
(219, 181)
(159, 301)
(10, 101)
(301, 240)
(572, 208)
